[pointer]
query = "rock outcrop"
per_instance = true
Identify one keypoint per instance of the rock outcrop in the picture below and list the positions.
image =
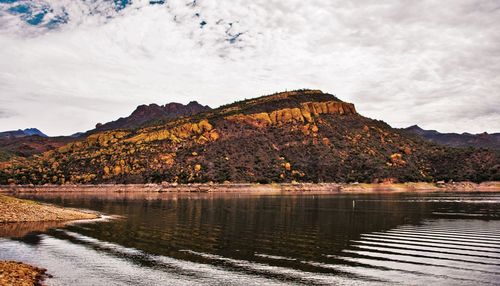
(307, 112)
(201, 132)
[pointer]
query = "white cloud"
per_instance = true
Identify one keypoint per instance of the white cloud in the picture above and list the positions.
(432, 63)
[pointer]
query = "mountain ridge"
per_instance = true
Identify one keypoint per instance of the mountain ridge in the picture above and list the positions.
(25, 143)
(153, 113)
(21, 133)
(481, 140)
(303, 136)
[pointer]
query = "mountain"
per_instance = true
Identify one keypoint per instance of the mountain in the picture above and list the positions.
(21, 133)
(27, 142)
(153, 114)
(22, 142)
(483, 140)
(304, 135)
(34, 131)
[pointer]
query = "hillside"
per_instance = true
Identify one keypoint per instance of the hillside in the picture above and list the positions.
(483, 140)
(305, 135)
(28, 142)
(30, 145)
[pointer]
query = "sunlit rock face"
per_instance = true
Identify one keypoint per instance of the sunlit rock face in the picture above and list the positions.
(306, 112)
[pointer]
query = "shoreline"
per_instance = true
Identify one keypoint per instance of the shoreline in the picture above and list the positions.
(14, 210)
(342, 188)
(19, 217)
(19, 273)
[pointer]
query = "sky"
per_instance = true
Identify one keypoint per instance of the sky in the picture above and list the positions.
(66, 65)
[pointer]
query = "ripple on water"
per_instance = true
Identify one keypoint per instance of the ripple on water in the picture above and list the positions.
(273, 241)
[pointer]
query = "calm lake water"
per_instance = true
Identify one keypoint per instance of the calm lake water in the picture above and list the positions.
(244, 239)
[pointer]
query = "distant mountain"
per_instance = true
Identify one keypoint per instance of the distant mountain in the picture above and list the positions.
(153, 114)
(21, 133)
(303, 136)
(28, 142)
(482, 140)
(29, 145)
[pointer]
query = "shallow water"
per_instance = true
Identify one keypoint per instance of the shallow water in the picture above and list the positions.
(243, 239)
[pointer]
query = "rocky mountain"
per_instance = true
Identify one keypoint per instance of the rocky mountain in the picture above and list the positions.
(21, 133)
(28, 142)
(24, 143)
(153, 114)
(483, 140)
(304, 136)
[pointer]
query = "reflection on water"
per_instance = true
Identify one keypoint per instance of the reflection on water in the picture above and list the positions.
(270, 239)
(24, 228)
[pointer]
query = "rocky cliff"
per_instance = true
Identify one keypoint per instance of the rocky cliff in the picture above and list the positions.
(305, 112)
(304, 136)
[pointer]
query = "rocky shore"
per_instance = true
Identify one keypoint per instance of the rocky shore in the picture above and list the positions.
(16, 210)
(262, 188)
(19, 274)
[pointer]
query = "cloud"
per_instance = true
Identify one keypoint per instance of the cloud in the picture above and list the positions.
(6, 113)
(431, 63)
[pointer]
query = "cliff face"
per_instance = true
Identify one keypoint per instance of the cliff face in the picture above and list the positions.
(306, 112)
(306, 136)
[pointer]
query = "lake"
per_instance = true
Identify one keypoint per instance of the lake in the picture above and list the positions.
(259, 239)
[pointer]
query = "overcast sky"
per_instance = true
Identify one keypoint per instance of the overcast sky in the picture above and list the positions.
(432, 63)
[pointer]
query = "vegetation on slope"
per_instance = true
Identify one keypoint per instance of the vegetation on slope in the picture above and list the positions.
(305, 136)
